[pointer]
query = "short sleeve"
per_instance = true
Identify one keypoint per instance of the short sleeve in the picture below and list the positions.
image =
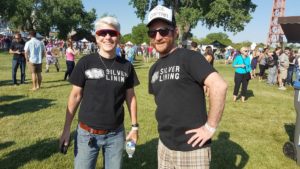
(132, 79)
(78, 74)
(197, 66)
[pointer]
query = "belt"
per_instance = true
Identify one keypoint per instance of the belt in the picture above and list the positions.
(91, 130)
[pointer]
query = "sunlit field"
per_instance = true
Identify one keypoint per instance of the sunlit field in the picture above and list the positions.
(250, 135)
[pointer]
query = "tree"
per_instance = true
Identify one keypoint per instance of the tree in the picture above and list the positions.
(221, 37)
(232, 15)
(46, 15)
(125, 38)
(139, 34)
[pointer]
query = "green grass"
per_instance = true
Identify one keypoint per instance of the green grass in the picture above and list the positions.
(250, 135)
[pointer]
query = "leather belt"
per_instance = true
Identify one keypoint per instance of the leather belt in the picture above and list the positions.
(91, 130)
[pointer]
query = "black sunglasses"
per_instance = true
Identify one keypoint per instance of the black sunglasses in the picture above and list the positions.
(104, 32)
(162, 31)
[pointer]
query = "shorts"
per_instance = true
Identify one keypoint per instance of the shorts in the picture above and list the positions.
(35, 68)
(196, 159)
(283, 73)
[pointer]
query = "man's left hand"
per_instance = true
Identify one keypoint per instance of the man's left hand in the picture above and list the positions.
(133, 135)
(201, 135)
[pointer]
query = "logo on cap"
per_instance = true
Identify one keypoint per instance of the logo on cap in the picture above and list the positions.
(160, 12)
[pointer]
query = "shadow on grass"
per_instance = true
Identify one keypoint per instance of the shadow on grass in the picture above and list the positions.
(227, 154)
(39, 151)
(10, 98)
(5, 82)
(145, 156)
(6, 144)
(53, 86)
(290, 130)
(24, 106)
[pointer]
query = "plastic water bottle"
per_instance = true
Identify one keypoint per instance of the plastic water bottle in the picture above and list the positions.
(130, 148)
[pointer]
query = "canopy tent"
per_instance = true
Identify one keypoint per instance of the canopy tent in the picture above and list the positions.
(218, 44)
(84, 40)
(229, 47)
(144, 44)
(291, 27)
(128, 43)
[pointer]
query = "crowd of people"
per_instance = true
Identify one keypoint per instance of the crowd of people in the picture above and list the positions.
(104, 78)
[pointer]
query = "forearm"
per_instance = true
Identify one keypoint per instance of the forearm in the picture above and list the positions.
(132, 106)
(217, 97)
(72, 106)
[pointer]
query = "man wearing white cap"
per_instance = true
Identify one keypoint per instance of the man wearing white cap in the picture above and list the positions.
(176, 80)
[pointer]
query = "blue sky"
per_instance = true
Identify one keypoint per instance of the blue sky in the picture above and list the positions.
(256, 30)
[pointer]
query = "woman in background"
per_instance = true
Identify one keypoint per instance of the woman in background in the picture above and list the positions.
(70, 59)
(242, 75)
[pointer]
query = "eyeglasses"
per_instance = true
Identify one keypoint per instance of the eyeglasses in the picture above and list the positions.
(104, 32)
(162, 31)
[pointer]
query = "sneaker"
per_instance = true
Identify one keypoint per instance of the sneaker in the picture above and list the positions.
(282, 88)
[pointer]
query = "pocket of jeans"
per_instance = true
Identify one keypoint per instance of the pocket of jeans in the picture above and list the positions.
(82, 135)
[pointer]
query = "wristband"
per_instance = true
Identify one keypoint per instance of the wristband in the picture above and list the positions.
(135, 125)
(134, 128)
(209, 128)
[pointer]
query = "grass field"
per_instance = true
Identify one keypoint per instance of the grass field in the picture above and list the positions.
(250, 135)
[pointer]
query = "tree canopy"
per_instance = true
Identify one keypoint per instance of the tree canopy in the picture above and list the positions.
(232, 15)
(139, 34)
(46, 15)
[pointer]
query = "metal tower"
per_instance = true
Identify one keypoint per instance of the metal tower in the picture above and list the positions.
(275, 35)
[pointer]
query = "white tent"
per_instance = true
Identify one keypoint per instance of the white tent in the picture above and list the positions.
(229, 47)
(84, 40)
(144, 44)
(128, 43)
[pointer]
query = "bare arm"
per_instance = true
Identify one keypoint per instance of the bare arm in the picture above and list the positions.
(217, 95)
(73, 103)
(132, 107)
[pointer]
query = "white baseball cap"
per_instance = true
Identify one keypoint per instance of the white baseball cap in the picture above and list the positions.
(163, 13)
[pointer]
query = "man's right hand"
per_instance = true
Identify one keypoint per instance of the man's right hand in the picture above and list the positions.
(64, 139)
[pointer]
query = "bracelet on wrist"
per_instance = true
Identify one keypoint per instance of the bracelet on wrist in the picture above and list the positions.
(209, 128)
(135, 125)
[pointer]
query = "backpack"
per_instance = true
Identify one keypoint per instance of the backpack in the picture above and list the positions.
(270, 61)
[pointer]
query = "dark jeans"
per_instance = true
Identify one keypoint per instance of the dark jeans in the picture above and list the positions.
(70, 67)
(16, 62)
(289, 79)
(238, 80)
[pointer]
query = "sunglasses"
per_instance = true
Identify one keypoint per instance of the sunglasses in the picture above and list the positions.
(162, 31)
(246, 51)
(104, 32)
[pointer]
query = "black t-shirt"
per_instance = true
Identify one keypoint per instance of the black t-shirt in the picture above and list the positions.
(18, 46)
(104, 89)
(177, 82)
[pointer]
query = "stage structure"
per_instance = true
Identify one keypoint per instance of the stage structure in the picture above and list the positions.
(275, 36)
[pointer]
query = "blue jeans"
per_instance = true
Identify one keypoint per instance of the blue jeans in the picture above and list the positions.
(272, 76)
(112, 145)
(16, 62)
(289, 79)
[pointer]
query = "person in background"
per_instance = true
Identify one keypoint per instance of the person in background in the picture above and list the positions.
(101, 83)
(291, 69)
(17, 49)
(51, 58)
(176, 80)
(194, 46)
(34, 53)
(272, 67)
(70, 59)
(283, 64)
(262, 63)
(255, 55)
(242, 74)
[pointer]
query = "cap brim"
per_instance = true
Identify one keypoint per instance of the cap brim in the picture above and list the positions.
(162, 19)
